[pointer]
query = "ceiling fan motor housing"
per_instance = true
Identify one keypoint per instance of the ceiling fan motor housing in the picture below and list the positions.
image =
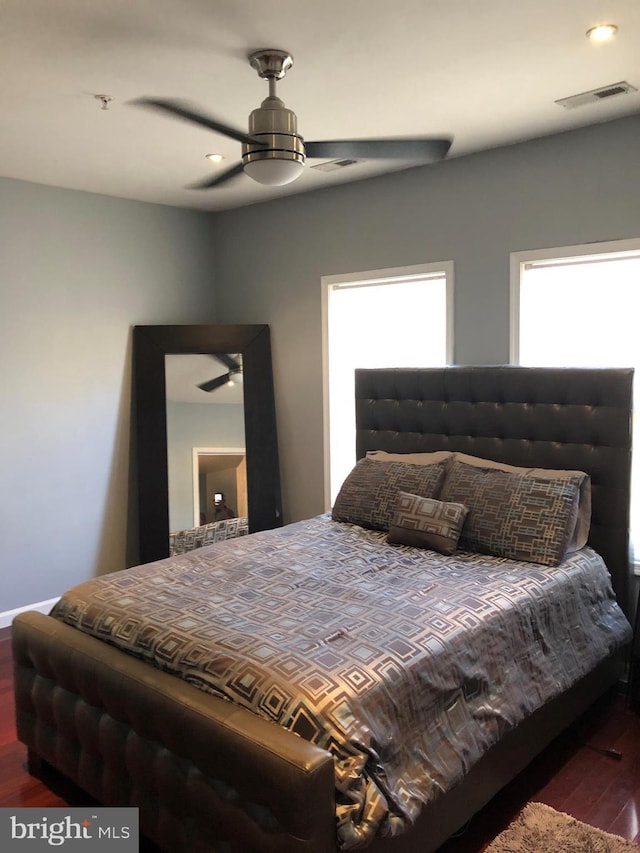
(276, 127)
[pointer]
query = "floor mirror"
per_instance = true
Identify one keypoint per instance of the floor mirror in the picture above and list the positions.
(207, 444)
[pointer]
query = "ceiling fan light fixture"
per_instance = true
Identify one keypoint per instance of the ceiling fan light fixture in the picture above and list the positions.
(274, 172)
(602, 32)
(277, 156)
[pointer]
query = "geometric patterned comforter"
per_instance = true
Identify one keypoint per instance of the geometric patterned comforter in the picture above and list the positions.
(406, 665)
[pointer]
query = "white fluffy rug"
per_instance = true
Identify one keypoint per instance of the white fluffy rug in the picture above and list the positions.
(541, 829)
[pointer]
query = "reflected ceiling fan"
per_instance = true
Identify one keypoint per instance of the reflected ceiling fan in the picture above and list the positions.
(234, 372)
(273, 153)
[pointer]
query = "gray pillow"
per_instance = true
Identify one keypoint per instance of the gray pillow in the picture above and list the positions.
(582, 509)
(512, 515)
(427, 523)
(369, 494)
(427, 458)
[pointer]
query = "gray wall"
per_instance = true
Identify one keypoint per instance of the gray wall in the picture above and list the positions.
(571, 188)
(77, 271)
(192, 425)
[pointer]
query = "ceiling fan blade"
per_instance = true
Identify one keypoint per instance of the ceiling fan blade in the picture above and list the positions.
(216, 180)
(182, 109)
(427, 150)
(228, 360)
(218, 382)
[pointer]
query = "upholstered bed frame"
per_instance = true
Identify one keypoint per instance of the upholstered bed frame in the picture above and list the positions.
(208, 776)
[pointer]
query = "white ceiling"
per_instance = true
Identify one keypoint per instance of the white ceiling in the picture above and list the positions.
(485, 72)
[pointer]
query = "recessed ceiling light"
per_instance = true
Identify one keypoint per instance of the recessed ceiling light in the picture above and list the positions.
(603, 32)
(215, 158)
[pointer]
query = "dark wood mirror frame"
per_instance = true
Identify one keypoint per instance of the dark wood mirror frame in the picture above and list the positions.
(150, 345)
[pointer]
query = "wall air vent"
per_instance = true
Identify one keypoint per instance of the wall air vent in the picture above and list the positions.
(595, 95)
(332, 165)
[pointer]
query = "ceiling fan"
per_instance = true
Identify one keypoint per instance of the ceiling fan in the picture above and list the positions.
(234, 372)
(273, 152)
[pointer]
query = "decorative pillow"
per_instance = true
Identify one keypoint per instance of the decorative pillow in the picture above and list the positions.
(428, 458)
(368, 496)
(427, 523)
(513, 515)
(582, 510)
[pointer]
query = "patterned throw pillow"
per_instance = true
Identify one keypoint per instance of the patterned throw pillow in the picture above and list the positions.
(582, 509)
(427, 523)
(513, 515)
(369, 494)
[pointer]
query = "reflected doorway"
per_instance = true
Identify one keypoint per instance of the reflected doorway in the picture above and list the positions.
(219, 471)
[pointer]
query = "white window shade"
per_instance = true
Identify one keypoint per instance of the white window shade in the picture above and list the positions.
(582, 311)
(383, 319)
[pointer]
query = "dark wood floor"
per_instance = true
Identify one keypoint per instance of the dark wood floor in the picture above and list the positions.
(571, 775)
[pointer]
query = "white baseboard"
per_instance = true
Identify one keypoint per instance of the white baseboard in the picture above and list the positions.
(6, 618)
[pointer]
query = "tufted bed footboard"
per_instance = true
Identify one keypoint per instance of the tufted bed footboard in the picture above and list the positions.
(202, 771)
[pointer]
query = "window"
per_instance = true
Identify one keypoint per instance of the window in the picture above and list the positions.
(387, 318)
(577, 307)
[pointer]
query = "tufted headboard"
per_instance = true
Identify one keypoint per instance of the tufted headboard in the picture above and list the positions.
(571, 418)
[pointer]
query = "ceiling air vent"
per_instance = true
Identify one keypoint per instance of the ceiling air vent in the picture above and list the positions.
(332, 165)
(595, 95)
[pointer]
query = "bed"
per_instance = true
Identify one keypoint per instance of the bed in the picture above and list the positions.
(181, 541)
(207, 773)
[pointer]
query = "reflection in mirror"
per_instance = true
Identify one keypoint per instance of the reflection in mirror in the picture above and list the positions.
(220, 484)
(205, 409)
(194, 427)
